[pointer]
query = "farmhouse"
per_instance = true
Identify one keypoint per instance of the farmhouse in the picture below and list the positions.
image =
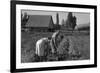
(38, 22)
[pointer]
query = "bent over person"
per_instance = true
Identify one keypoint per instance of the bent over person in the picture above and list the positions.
(53, 41)
(42, 48)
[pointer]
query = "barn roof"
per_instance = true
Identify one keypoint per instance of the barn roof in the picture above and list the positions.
(38, 21)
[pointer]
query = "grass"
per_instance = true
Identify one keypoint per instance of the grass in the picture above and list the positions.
(78, 41)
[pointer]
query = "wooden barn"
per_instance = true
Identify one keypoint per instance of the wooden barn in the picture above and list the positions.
(40, 22)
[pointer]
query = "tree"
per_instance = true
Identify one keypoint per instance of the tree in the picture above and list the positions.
(63, 22)
(74, 22)
(24, 19)
(70, 18)
(57, 26)
(71, 21)
(57, 21)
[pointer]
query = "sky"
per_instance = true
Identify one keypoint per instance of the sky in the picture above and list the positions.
(82, 18)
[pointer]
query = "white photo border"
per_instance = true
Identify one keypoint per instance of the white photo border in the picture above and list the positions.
(51, 64)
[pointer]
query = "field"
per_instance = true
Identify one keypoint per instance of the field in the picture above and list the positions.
(80, 40)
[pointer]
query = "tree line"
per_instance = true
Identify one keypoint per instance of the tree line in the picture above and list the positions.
(70, 22)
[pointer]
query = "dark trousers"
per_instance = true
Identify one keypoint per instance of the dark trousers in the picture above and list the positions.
(40, 58)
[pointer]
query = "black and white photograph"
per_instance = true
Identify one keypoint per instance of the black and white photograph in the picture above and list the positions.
(52, 36)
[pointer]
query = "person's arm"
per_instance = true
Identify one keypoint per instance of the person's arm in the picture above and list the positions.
(52, 46)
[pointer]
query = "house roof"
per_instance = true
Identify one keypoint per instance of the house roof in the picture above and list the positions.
(38, 21)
